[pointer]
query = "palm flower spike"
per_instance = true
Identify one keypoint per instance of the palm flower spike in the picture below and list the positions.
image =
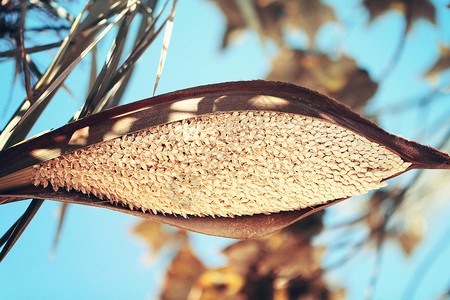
(238, 159)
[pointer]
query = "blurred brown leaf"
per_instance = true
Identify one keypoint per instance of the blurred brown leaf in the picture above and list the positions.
(290, 259)
(341, 79)
(282, 266)
(443, 63)
(181, 275)
(375, 214)
(275, 16)
(412, 9)
(307, 15)
(410, 239)
(157, 235)
(410, 231)
(301, 289)
(243, 255)
(268, 20)
(218, 284)
(407, 227)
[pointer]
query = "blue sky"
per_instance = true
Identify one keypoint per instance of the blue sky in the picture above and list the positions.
(99, 258)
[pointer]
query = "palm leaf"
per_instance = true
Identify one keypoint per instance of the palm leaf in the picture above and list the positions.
(165, 46)
(56, 83)
(12, 235)
(80, 37)
(73, 49)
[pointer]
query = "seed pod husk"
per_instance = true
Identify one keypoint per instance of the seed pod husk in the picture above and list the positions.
(328, 125)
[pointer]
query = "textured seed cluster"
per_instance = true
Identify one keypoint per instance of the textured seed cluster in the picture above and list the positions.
(226, 164)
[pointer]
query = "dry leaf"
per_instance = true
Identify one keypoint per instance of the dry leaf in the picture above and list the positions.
(243, 255)
(281, 266)
(410, 239)
(275, 16)
(181, 275)
(292, 258)
(443, 62)
(411, 229)
(413, 10)
(218, 284)
(306, 15)
(268, 18)
(341, 79)
(407, 227)
(156, 235)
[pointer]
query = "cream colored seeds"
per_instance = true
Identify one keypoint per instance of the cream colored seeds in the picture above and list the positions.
(226, 164)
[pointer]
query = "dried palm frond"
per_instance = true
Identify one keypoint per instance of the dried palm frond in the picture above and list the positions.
(87, 30)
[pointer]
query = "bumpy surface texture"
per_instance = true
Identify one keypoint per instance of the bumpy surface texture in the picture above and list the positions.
(226, 164)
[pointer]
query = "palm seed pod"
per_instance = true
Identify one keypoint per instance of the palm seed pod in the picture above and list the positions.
(239, 159)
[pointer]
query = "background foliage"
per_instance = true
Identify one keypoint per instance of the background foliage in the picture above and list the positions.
(330, 47)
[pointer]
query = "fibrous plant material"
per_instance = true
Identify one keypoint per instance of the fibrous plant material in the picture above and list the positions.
(226, 164)
(282, 171)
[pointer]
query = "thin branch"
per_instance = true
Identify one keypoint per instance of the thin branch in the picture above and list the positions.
(48, 28)
(63, 213)
(370, 290)
(399, 50)
(354, 249)
(19, 226)
(57, 81)
(347, 223)
(55, 9)
(26, 70)
(409, 104)
(423, 268)
(8, 233)
(15, 52)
